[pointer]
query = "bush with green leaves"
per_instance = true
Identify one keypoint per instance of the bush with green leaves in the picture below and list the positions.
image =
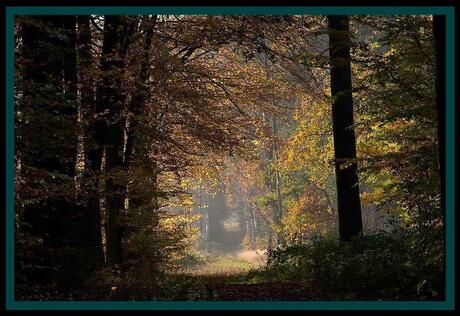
(397, 264)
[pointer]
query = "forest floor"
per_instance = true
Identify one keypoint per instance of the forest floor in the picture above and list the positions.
(241, 276)
(235, 287)
(235, 277)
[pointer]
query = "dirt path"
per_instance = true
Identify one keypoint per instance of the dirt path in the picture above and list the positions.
(228, 264)
(224, 277)
(292, 291)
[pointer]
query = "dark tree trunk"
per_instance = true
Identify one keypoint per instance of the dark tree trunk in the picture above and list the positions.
(70, 63)
(349, 206)
(70, 109)
(89, 197)
(141, 92)
(136, 108)
(110, 127)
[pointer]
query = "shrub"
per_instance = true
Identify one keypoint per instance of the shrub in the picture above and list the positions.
(397, 264)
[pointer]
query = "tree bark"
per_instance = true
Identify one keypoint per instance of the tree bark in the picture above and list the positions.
(141, 92)
(349, 205)
(110, 128)
(136, 108)
(252, 227)
(279, 208)
(270, 238)
(90, 199)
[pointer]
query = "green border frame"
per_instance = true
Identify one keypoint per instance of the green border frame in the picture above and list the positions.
(448, 304)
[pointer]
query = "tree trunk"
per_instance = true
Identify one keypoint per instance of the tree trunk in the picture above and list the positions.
(349, 205)
(270, 238)
(110, 129)
(141, 92)
(69, 24)
(90, 199)
(279, 208)
(252, 227)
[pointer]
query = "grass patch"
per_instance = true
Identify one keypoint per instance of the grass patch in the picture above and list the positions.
(219, 265)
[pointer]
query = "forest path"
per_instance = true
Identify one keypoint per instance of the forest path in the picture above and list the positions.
(228, 264)
(235, 277)
(243, 287)
(286, 291)
(237, 287)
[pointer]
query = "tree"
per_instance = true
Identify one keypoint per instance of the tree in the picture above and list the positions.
(277, 185)
(349, 205)
(89, 199)
(110, 126)
(137, 109)
(48, 138)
